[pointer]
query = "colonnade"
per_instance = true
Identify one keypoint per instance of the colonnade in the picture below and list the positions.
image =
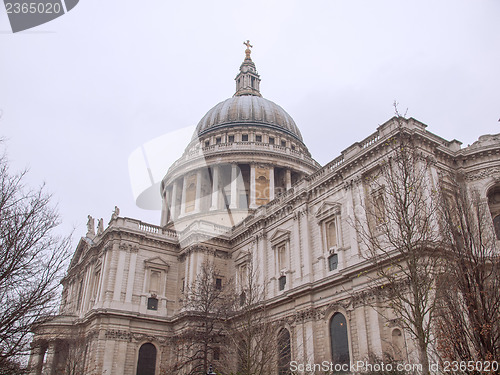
(224, 186)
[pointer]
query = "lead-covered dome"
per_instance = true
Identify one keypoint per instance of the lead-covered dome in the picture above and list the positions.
(244, 152)
(250, 110)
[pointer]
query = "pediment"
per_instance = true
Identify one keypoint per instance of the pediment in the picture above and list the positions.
(242, 258)
(279, 235)
(328, 209)
(157, 262)
(83, 245)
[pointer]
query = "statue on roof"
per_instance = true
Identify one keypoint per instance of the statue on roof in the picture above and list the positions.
(100, 227)
(115, 214)
(90, 226)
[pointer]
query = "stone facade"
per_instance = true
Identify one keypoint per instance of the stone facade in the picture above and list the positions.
(246, 186)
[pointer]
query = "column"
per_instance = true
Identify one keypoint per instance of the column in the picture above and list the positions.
(353, 240)
(375, 331)
(197, 201)
(183, 197)
(48, 363)
(362, 332)
(306, 250)
(35, 362)
(131, 274)
(296, 249)
(173, 201)
(288, 179)
(104, 274)
(271, 183)
(252, 186)
(234, 186)
(119, 274)
(309, 341)
(300, 352)
(215, 188)
(164, 211)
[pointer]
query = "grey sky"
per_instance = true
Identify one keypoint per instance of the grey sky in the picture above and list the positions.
(80, 93)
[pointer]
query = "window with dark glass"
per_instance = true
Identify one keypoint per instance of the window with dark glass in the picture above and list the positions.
(284, 352)
(283, 143)
(217, 140)
(216, 355)
(338, 339)
(218, 284)
(258, 138)
(494, 205)
(293, 147)
(146, 363)
(231, 139)
(496, 225)
(152, 303)
(207, 143)
(282, 282)
(333, 262)
(243, 298)
(271, 140)
(244, 137)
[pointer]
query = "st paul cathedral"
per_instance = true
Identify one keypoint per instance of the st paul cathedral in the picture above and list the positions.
(246, 189)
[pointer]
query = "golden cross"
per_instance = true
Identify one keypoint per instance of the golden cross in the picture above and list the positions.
(247, 43)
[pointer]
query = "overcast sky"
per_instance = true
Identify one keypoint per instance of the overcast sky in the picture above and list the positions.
(79, 94)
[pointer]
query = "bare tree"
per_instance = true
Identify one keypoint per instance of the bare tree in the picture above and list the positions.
(401, 235)
(469, 299)
(32, 260)
(253, 348)
(206, 307)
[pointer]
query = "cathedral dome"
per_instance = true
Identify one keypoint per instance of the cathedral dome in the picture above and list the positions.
(244, 110)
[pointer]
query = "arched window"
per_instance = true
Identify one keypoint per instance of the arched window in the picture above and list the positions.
(397, 344)
(331, 234)
(338, 339)
(494, 205)
(284, 352)
(496, 225)
(146, 364)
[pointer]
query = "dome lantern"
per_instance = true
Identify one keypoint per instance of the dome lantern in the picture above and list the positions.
(247, 80)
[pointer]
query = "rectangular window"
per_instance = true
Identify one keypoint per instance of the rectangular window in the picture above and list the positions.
(231, 139)
(258, 138)
(152, 303)
(293, 147)
(218, 140)
(282, 282)
(244, 137)
(333, 262)
(271, 140)
(283, 143)
(207, 143)
(216, 354)
(218, 284)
